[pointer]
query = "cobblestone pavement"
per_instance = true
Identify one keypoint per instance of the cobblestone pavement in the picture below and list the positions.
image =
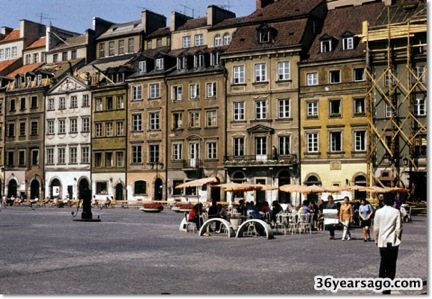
(43, 251)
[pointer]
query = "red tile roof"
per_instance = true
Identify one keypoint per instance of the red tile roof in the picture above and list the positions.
(40, 42)
(284, 8)
(13, 35)
(5, 63)
(25, 69)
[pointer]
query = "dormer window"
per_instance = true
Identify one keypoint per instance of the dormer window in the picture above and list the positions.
(215, 58)
(265, 34)
(159, 64)
(142, 66)
(182, 62)
(348, 41)
(226, 39)
(199, 61)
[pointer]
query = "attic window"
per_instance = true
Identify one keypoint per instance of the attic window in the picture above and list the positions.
(348, 43)
(326, 45)
(264, 34)
(142, 66)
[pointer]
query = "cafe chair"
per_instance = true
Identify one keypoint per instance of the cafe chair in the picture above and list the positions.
(305, 223)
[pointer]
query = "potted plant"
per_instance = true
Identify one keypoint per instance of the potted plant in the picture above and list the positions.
(182, 207)
(152, 207)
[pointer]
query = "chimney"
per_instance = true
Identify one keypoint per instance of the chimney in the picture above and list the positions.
(216, 14)
(263, 3)
(6, 30)
(177, 19)
(152, 21)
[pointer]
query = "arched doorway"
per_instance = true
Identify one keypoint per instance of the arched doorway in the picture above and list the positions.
(34, 189)
(158, 186)
(55, 189)
(360, 180)
(12, 188)
(119, 192)
(84, 190)
(312, 180)
(284, 178)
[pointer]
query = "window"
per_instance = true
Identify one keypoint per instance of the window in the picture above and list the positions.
(121, 47)
(359, 106)
(194, 119)
(140, 188)
(419, 107)
(335, 142)
(420, 74)
(177, 151)
(264, 36)
(312, 142)
(14, 52)
(98, 129)
(35, 157)
(214, 58)
(136, 122)
(55, 57)
(335, 108)
(50, 127)
(199, 61)
(23, 104)
(109, 129)
(284, 108)
(154, 121)
(334, 77)
(119, 102)
(74, 102)
(50, 156)
(311, 79)
(86, 124)
(21, 158)
(98, 105)
(73, 54)
(260, 146)
(101, 50)
(61, 156)
(194, 91)
(177, 120)
(12, 105)
(326, 46)
(182, 62)
(62, 126)
(10, 158)
(159, 42)
(22, 129)
(142, 66)
(36, 57)
(284, 145)
(154, 91)
(85, 100)
(109, 104)
(7, 53)
(239, 111)
(211, 118)
(186, 42)
(154, 153)
(111, 49)
(131, 45)
(177, 93)
(239, 147)
(390, 77)
(27, 58)
(226, 39)
(120, 159)
(261, 109)
(11, 130)
(199, 40)
(85, 155)
(73, 159)
(359, 141)
(98, 162)
(120, 128)
(64, 56)
(239, 74)
(284, 70)
(211, 90)
(74, 125)
(211, 150)
(359, 74)
(109, 160)
(62, 103)
(388, 110)
(149, 44)
(136, 92)
(2, 55)
(348, 43)
(260, 72)
(159, 64)
(217, 40)
(137, 154)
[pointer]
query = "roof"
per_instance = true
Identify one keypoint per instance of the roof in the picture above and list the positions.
(25, 69)
(339, 21)
(13, 35)
(402, 11)
(107, 62)
(165, 31)
(6, 63)
(61, 67)
(289, 33)
(40, 42)
(284, 8)
(193, 23)
(122, 29)
(74, 41)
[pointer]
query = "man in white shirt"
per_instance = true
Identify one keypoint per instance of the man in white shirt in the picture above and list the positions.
(388, 234)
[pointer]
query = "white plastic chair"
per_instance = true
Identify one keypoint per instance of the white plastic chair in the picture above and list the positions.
(305, 223)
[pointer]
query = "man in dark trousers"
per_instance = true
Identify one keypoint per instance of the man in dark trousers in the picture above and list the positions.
(388, 234)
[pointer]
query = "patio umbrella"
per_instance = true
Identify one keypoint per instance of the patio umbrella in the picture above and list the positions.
(239, 187)
(313, 189)
(292, 188)
(335, 189)
(198, 182)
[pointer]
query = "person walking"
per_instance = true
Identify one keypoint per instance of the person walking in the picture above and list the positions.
(346, 217)
(330, 204)
(388, 236)
(365, 214)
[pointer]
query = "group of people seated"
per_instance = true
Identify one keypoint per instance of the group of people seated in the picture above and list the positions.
(107, 203)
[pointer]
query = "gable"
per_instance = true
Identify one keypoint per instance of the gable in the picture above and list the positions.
(69, 84)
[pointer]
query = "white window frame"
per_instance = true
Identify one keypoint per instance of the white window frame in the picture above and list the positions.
(177, 93)
(211, 89)
(136, 125)
(312, 79)
(226, 39)
(419, 107)
(238, 74)
(194, 91)
(360, 140)
(284, 108)
(312, 142)
(211, 151)
(154, 121)
(239, 111)
(136, 92)
(261, 109)
(199, 39)
(332, 78)
(284, 70)
(348, 43)
(260, 72)
(177, 149)
(211, 118)
(284, 145)
(186, 41)
(335, 141)
(154, 90)
(217, 40)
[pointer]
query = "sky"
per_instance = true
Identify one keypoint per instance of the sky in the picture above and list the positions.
(77, 15)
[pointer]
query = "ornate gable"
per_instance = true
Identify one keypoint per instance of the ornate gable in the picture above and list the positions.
(260, 129)
(69, 84)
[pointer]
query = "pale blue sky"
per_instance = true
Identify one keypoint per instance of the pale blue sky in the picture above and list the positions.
(77, 15)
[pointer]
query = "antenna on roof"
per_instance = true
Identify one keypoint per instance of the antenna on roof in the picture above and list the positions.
(43, 16)
(184, 6)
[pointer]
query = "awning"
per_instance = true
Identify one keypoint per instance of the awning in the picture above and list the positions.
(198, 182)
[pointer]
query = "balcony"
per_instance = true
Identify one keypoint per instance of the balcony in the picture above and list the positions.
(259, 161)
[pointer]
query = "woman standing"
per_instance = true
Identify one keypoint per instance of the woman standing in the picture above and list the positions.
(346, 217)
(365, 214)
